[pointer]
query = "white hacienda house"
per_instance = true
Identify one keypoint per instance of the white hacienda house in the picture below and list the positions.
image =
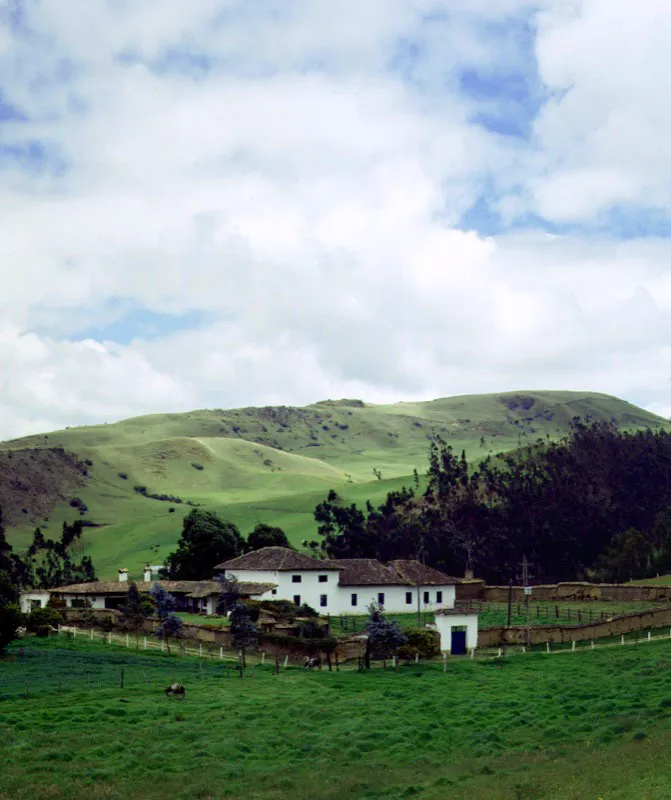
(343, 585)
(336, 586)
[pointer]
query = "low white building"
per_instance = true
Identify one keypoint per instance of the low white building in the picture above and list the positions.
(458, 629)
(342, 586)
(36, 598)
(194, 596)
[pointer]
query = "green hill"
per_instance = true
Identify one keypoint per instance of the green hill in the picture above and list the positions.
(252, 465)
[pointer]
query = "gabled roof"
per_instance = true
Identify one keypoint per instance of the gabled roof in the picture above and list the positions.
(190, 588)
(419, 574)
(276, 559)
(369, 572)
(365, 572)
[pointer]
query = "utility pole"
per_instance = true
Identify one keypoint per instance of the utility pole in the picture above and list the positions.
(527, 592)
(510, 599)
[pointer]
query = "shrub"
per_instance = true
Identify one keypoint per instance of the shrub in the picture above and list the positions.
(76, 502)
(123, 475)
(311, 629)
(307, 611)
(422, 642)
(11, 619)
(284, 609)
(196, 465)
(41, 619)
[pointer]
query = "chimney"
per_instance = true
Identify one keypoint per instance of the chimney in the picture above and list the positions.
(123, 575)
(147, 573)
(468, 574)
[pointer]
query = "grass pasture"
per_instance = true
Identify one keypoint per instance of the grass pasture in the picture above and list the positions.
(593, 724)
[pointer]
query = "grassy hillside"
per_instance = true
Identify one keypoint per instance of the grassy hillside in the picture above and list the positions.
(557, 727)
(261, 464)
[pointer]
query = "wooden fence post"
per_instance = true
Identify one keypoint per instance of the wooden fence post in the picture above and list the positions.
(221, 653)
(547, 646)
(286, 661)
(144, 643)
(444, 662)
(622, 638)
(573, 645)
(263, 656)
(109, 637)
(200, 649)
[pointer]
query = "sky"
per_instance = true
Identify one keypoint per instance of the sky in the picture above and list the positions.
(221, 203)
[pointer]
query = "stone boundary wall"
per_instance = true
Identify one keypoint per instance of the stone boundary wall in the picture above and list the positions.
(215, 636)
(615, 626)
(558, 592)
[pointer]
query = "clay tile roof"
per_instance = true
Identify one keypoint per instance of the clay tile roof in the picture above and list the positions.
(418, 574)
(274, 558)
(365, 572)
(190, 588)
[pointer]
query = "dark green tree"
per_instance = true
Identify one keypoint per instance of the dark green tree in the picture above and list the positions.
(139, 607)
(206, 541)
(266, 536)
(384, 636)
(243, 630)
(229, 595)
(169, 624)
(11, 620)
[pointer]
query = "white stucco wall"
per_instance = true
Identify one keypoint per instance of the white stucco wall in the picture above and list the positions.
(338, 599)
(26, 600)
(445, 623)
(310, 589)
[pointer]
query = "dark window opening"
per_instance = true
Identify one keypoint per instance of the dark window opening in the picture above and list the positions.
(380, 598)
(354, 599)
(296, 578)
(408, 598)
(297, 599)
(322, 600)
(426, 597)
(323, 578)
(439, 597)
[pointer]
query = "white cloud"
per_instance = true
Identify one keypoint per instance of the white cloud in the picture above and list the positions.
(304, 195)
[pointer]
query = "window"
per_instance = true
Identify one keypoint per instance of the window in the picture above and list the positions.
(439, 597)
(296, 578)
(35, 604)
(323, 578)
(354, 599)
(322, 600)
(408, 598)
(297, 599)
(380, 598)
(426, 597)
(273, 592)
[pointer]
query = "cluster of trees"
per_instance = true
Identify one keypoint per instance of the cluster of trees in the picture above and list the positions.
(208, 540)
(595, 505)
(47, 563)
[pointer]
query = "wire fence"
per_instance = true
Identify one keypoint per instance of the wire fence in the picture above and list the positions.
(81, 664)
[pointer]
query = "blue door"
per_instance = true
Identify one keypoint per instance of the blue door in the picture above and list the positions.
(458, 643)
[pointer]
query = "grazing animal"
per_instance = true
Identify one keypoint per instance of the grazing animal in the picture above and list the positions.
(175, 690)
(312, 661)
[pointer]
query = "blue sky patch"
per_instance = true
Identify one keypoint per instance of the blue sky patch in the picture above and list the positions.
(141, 323)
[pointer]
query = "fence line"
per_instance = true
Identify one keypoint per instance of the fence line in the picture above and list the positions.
(146, 643)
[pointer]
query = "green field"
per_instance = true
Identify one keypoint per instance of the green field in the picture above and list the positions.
(273, 465)
(536, 726)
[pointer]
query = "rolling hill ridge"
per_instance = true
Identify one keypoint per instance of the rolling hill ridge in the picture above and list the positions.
(135, 479)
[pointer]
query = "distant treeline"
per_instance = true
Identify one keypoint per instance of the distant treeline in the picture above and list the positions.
(596, 505)
(46, 564)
